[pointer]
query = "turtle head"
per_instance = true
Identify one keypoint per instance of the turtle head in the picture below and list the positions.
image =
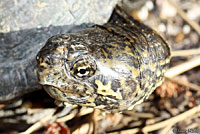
(65, 66)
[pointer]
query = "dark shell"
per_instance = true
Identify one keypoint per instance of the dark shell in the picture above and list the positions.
(23, 32)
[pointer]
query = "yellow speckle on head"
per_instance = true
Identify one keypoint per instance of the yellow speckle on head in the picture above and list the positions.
(61, 49)
(92, 99)
(44, 64)
(153, 67)
(128, 51)
(167, 60)
(115, 45)
(57, 76)
(127, 42)
(122, 81)
(158, 73)
(105, 53)
(135, 72)
(145, 54)
(106, 89)
(163, 62)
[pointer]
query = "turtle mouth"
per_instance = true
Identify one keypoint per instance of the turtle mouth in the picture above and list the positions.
(54, 92)
(48, 87)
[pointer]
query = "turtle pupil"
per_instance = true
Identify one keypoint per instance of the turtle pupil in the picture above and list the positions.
(82, 71)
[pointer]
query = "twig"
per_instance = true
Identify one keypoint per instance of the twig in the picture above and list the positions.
(129, 131)
(94, 121)
(166, 129)
(35, 110)
(168, 123)
(140, 115)
(115, 128)
(195, 124)
(184, 16)
(172, 120)
(185, 52)
(85, 111)
(67, 117)
(174, 71)
(40, 123)
(37, 125)
(135, 124)
(154, 120)
(192, 126)
(91, 128)
(187, 84)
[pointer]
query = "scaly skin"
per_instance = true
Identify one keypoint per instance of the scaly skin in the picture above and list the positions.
(111, 67)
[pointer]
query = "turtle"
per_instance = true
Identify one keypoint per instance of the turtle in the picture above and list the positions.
(112, 67)
(24, 28)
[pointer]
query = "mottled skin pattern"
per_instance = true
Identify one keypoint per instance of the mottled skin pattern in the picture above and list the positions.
(111, 67)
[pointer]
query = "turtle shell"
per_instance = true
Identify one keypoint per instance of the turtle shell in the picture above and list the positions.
(24, 28)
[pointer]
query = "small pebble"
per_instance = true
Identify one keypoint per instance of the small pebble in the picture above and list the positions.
(164, 114)
(143, 13)
(194, 37)
(167, 10)
(173, 30)
(139, 108)
(149, 5)
(186, 29)
(194, 13)
(162, 27)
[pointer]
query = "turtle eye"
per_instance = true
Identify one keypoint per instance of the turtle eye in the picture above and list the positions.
(83, 69)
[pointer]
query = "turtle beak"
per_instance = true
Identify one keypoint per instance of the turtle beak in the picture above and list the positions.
(50, 56)
(50, 60)
(45, 60)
